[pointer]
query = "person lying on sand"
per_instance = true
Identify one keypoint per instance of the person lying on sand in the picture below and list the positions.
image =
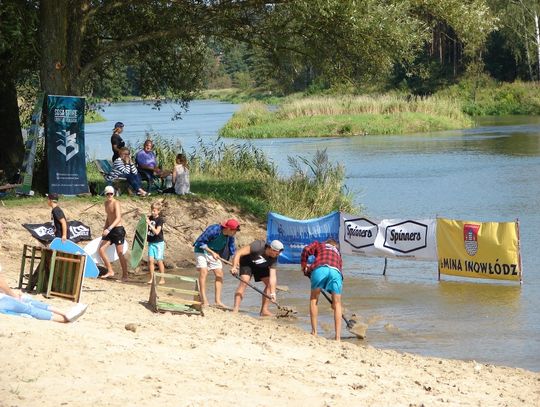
(17, 303)
(257, 260)
(325, 274)
(113, 233)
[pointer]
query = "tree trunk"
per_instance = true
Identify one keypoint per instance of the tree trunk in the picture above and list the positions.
(10, 126)
(537, 32)
(53, 39)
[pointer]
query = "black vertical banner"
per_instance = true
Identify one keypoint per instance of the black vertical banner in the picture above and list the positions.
(64, 137)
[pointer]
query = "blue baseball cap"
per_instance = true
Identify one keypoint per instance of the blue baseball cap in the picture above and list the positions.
(118, 124)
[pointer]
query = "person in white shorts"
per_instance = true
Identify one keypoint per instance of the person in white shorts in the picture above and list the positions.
(216, 242)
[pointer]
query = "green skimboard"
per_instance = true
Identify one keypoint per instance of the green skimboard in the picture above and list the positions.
(139, 241)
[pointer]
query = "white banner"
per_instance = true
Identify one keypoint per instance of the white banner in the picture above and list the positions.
(357, 235)
(407, 239)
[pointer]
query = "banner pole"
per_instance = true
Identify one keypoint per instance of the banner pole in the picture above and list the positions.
(519, 253)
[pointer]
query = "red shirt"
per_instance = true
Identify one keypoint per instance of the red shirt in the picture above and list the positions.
(325, 255)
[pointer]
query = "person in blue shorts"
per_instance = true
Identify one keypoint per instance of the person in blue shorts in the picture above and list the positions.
(156, 241)
(325, 273)
(17, 303)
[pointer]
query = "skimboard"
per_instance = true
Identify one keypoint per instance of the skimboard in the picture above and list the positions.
(139, 240)
(92, 250)
(90, 268)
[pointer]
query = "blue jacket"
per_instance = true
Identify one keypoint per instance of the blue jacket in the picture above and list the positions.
(211, 233)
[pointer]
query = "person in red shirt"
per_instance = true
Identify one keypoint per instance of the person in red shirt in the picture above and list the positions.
(325, 273)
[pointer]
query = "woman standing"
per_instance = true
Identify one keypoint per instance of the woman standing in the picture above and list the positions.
(116, 141)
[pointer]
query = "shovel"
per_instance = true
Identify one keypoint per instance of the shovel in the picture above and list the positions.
(358, 330)
(285, 311)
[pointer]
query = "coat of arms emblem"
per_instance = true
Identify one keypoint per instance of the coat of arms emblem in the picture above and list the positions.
(470, 238)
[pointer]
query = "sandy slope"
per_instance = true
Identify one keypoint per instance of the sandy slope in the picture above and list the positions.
(219, 359)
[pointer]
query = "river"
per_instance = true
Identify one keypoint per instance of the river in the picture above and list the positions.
(488, 173)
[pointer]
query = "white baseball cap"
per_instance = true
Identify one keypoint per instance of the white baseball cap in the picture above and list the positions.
(276, 245)
(109, 189)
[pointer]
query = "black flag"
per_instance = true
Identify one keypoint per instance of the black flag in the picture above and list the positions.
(44, 232)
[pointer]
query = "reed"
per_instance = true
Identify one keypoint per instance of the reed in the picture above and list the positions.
(329, 116)
(383, 104)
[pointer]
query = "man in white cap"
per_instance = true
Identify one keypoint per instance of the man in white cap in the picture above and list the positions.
(257, 260)
(113, 233)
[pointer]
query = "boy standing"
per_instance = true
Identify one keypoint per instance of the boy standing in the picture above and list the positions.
(215, 242)
(113, 233)
(156, 242)
(58, 217)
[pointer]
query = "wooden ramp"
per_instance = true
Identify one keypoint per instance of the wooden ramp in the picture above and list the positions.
(179, 294)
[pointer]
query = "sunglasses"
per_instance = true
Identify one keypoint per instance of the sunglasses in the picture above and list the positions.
(109, 193)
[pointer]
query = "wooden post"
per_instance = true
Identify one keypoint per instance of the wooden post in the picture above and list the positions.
(52, 265)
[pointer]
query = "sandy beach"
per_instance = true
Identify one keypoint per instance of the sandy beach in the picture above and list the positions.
(222, 358)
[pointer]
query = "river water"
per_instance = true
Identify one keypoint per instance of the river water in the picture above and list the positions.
(489, 173)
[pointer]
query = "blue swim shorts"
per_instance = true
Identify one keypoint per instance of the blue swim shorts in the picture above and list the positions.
(156, 250)
(328, 279)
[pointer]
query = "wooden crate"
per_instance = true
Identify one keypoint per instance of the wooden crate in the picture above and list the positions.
(57, 273)
(179, 294)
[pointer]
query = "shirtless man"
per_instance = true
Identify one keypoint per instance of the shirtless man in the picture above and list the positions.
(113, 233)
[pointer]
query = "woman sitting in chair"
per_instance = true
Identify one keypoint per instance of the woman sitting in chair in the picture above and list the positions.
(147, 164)
(124, 168)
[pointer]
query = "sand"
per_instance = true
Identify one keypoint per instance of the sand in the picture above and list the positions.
(222, 358)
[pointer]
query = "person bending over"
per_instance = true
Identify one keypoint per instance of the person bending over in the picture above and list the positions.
(257, 260)
(217, 241)
(325, 273)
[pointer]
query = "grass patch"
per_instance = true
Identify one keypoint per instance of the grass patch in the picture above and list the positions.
(346, 116)
(346, 125)
(484, 96)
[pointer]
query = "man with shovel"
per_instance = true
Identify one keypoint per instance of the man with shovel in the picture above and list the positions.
(257, 260)
(325, 274)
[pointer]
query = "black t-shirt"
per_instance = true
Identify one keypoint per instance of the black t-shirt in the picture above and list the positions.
(256, 257)
(117, 141)
(156, 223)
(57, 214)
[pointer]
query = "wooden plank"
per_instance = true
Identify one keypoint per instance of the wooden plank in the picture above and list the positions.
(178, 290)
(52, 266)
(9, 186)
(181, 300)
(183, 278)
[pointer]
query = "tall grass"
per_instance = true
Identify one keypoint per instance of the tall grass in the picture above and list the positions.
(383, 104)
(315, 188)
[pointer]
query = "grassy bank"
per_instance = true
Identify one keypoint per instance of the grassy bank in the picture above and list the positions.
(346, 116)
(484, 96)
(242, 175)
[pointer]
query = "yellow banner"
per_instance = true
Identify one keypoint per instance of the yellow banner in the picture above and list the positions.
(479, 249)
